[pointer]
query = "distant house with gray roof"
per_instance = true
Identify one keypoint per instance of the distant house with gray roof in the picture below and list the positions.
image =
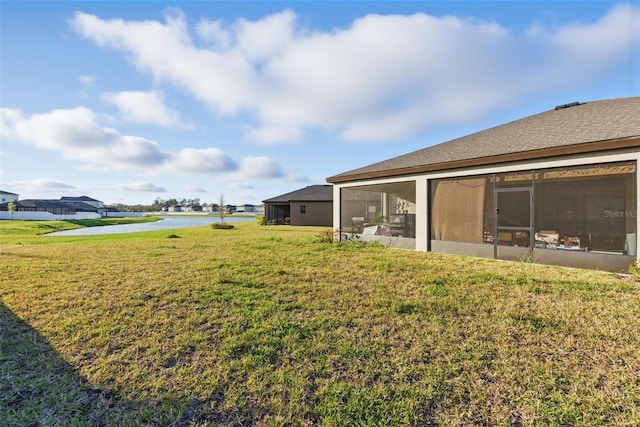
(63, 208)
(6, 197)
(558, 187)
(83, 199)
(311, 205)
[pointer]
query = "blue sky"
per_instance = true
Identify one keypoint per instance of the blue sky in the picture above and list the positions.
(127, 102)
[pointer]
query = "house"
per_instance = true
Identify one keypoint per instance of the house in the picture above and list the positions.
(83, 199)
(246, 208)
(193, 208)
(6, 197)
(213, 208)
(312, 205)
(63, 208)
(559, 187)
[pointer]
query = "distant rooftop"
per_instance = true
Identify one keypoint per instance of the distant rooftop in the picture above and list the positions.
(311, 193)
(79, 199)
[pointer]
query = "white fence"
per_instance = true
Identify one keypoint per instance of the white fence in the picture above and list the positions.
(47, 216)
(122, 214)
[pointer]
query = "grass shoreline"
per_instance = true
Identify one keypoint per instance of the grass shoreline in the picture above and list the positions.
(266, 326)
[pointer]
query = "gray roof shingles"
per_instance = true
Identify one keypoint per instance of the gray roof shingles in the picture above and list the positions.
(51, 204)
(78, 199)
(560, 127)
(311, 193)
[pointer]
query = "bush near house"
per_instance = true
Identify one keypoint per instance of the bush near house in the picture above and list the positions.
(222, 226)
(268, 326)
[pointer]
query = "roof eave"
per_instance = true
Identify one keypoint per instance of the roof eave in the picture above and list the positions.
(567, 150)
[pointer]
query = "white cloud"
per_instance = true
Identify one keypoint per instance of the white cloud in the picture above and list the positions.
(218, 79)
(257, 40)
(8, 119)
(77, 135)
(297, 178)
(382, 78)
(200, 161)
(269, 135)
(213, 33)
(87, 80)
(39, 185)
(141, 186)
(194, 189)
(260, 167)
(93, 168)
(580, 50)
(265, 38)
(143, 107)
(240, 186)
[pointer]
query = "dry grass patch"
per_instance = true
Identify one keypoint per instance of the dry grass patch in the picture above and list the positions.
(268, 326)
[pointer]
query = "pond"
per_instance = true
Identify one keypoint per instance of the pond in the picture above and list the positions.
(166, 223)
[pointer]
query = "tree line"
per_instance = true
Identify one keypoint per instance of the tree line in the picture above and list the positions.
(157, 205)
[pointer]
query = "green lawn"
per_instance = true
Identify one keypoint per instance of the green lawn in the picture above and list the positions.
(268, 326)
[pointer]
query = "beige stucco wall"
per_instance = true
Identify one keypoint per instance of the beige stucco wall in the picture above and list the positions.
(317, 213)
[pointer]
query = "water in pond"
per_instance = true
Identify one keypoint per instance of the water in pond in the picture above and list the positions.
(166, 223)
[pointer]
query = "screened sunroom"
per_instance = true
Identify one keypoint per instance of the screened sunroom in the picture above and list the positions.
(583, 216)
(559, 187)
(382, 212)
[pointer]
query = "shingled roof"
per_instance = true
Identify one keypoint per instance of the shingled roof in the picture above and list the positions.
(45, 204)
(567, 129)
(311, 193)
(78, 199)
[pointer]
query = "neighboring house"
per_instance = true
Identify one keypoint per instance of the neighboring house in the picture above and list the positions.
(84, 199)
(215, 208)
(559, 187)
(193, 208)
(55, 207)
(246, 208)
(6, 197)
(64, 208)
(312, 205)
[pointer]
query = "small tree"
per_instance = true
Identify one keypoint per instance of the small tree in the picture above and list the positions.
(11, 207)
(222, 210)
(221, 207)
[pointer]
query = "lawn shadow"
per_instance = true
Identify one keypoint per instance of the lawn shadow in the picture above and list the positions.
(39, 388)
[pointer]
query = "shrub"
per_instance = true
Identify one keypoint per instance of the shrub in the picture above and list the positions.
(260, 219)
(221, 226)
(635, 269)
(325, 236)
